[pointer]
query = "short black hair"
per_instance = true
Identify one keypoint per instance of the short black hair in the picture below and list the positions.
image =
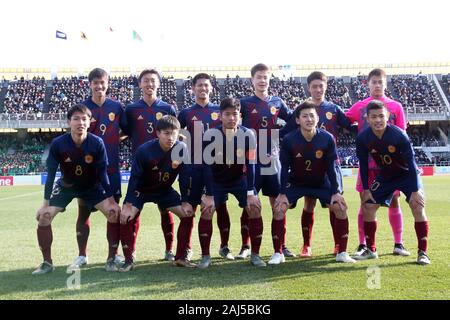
(228, 103)
(376, 73)
(258, 67)
(307, 104)
(375, 105)
(81, 108)
(149, 71)
(199, 76)
(97, 73)
(316, 75)
(168, 122)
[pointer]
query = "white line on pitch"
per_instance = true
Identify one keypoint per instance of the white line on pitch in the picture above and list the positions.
(21, 195)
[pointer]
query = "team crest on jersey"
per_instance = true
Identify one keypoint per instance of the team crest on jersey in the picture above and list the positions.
(240, 153)
(175, 164)
(273, 110)
(140, 117)
(88, 158)
(329, 115)
(319, 154)
(214, 116)
(111, 116)
(391, 149)
(158, 115)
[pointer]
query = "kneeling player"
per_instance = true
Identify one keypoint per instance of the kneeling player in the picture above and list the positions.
(82, 159)
(391, 150)
(308, 169)
(155, 167)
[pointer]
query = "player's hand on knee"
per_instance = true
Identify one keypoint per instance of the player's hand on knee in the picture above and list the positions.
(187, 209)
(114, 213)
(126, 214)
(44, 217)
(43, 212)
(338, 201)
(367, 195)
(281, 204)
(207, 206)
(279, 215)
(253, 205)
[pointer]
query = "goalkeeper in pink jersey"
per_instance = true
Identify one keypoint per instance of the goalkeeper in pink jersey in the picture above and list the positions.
(377, 83)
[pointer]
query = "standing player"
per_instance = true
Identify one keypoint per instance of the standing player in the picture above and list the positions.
(309, 167)
(156, 165)
(331, 118)
(141, 119)
(107, 121)
(260, 112)
(230, 166)
(198, 118)
(391, 150)
(377, 82)
(81, 157)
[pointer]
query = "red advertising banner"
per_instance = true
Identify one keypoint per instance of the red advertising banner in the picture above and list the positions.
(6, 181)
(427, 171)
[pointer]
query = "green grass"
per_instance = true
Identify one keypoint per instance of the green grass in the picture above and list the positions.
(316, 278)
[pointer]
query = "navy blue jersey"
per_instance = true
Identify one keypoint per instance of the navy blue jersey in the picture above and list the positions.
(206, 117)
(260, 114)
(392, 153)
(154, 170)
(309, 163)
(141, 120)
(233, 167)
(331, 118)
(107, 121)
(81, 167)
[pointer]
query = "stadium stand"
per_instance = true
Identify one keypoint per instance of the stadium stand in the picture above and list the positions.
(39, 99)
(338, 93)
(24, 96)
(67, 92)
(416, 92)
(291, 91)
(237, 87)
(122, 89)
(20, 157)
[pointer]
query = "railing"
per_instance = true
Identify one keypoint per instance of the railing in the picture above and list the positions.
(32, 116)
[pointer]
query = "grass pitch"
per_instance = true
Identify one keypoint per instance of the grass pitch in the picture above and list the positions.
(317, 278)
